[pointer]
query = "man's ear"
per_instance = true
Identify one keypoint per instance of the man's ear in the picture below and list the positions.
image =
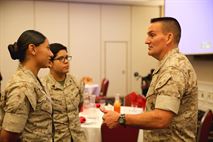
(170, 38)
(32, 49)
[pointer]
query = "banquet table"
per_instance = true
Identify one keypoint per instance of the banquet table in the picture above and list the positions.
(92, 126)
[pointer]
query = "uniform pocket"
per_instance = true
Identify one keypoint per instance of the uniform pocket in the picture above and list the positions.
(44, 102)
(58, 103)
(46, 105)
(163, 81)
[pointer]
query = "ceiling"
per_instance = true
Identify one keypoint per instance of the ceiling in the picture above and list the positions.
(125, 2)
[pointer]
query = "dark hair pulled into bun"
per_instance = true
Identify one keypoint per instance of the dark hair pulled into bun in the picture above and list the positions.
(18, 49)
(14, 51)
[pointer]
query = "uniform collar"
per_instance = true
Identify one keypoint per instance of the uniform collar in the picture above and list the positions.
(26, 71)
(165, 58)
(56, 85)
(30, 73)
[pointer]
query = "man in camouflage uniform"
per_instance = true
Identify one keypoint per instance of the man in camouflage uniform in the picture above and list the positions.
(66, 96)
(27, 108)
(172, 100)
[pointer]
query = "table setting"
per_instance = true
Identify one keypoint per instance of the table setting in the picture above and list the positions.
(91, 120)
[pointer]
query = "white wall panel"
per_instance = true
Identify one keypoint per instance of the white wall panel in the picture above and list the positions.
(115, 23)
(51, 19)
(85, 40)
(16, 17)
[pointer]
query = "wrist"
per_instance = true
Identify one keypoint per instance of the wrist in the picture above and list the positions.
(122, 119)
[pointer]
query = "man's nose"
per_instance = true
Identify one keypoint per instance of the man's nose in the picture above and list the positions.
(147, 41)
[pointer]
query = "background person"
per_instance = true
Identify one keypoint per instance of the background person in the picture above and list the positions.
(66, 95)
(26, 106)
(172, 98)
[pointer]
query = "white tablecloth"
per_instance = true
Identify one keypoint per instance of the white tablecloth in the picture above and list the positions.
(92, 126)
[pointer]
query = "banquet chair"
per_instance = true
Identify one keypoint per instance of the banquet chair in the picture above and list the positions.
(205, 125)
(104, 87)
(119, 134)
(135, 99)
(103, 90)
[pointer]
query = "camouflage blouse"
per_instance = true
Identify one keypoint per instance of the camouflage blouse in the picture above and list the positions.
(27, 109)
(174, 88)
(66, 99)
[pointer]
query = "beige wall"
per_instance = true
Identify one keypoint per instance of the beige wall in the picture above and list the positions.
(203, 66)
(14, 18)
(84, 28)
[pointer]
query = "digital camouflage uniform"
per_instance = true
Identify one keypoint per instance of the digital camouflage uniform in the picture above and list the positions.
(1, 110)
(27, 108)
(66, 99)
(174, 88)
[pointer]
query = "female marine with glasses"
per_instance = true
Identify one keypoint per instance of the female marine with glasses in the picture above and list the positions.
(27, 108)
(66, 95)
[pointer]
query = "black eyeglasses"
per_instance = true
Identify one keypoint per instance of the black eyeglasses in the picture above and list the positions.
(63, 59)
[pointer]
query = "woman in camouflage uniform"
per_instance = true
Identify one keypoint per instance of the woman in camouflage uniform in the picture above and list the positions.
(1, 112)
(26, 106)
(66, 96)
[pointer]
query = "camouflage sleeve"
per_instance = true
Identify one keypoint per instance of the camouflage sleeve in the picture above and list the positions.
(170, 89)
(80, 86)
(16, 109)
(46, 85)
(81, 91)
(1, 110)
